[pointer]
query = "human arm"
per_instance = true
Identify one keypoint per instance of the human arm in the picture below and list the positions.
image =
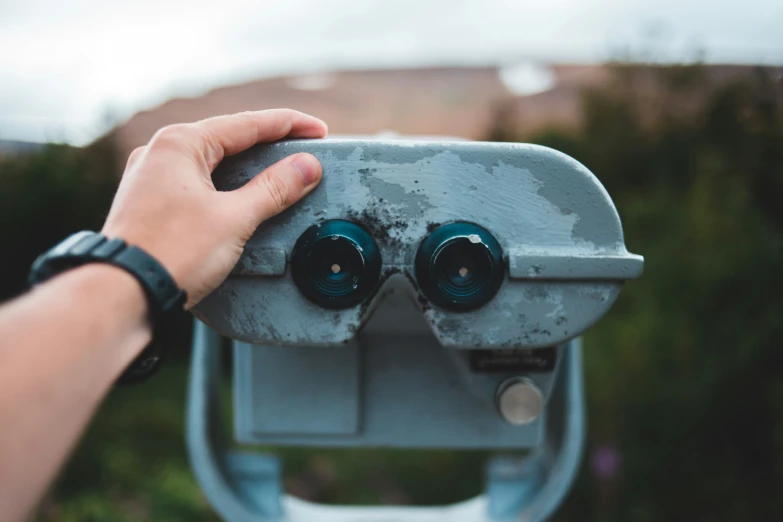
(63, 344)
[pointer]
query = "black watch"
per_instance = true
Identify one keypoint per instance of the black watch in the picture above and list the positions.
(165, 299)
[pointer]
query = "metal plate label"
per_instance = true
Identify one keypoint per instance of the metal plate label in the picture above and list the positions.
(513, 361)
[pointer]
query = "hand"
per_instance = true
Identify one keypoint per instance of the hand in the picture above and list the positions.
(167, 205)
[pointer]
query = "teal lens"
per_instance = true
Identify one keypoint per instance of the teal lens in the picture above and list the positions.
(336, 264)
(459, 266)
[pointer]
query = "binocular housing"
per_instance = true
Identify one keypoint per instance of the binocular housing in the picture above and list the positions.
(498, 245)
(425, 294)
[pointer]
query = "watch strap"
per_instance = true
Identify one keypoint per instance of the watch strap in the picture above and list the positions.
(165, 299)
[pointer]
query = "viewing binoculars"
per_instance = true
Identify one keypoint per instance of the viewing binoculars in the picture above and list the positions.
(337, 264)
(427, 294)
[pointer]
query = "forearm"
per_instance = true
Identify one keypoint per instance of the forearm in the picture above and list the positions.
(63, 346)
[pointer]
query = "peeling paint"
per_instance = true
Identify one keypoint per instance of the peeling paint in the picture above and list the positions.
(534, 200)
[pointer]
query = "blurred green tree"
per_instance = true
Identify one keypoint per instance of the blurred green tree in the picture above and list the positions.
(47, 195)
(684, 375)
(684, 386)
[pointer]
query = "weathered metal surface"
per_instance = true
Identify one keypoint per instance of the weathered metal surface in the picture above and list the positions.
(287, 392)
(523, 265)
(259, 261)
(537, 202)
(247, 487)
(385, 389)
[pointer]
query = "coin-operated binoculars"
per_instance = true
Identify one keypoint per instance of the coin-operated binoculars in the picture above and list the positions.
(424, 295)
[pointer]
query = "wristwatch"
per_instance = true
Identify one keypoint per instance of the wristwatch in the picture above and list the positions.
(164, 297)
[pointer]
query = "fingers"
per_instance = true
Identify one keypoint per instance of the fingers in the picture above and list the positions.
(134, 156)
(278, 187)
(227, 135)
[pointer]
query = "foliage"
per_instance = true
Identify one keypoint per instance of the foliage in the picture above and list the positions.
(47, 195)
(684, 374)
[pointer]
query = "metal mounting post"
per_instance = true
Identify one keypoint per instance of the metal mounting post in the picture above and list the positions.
(245, 486)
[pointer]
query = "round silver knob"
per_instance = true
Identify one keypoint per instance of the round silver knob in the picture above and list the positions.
(519, 401)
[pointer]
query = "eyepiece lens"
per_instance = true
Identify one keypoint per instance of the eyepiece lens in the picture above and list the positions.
(335, 264)
(459, 266)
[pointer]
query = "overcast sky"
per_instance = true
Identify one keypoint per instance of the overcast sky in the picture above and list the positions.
(69, 68)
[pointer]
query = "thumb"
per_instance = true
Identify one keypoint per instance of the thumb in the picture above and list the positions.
(280, 186)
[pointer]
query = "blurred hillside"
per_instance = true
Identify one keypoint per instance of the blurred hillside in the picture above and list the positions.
(683, 375)
(463, 102)
(12, 147)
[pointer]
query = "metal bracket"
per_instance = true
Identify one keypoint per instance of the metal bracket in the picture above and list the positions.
(569, 266)
(245, 487)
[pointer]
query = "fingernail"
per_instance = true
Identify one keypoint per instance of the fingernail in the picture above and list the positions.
(308, 168)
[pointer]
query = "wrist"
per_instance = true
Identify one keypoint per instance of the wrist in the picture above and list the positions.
(116, 289)
(164, 300)
(102, 315)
